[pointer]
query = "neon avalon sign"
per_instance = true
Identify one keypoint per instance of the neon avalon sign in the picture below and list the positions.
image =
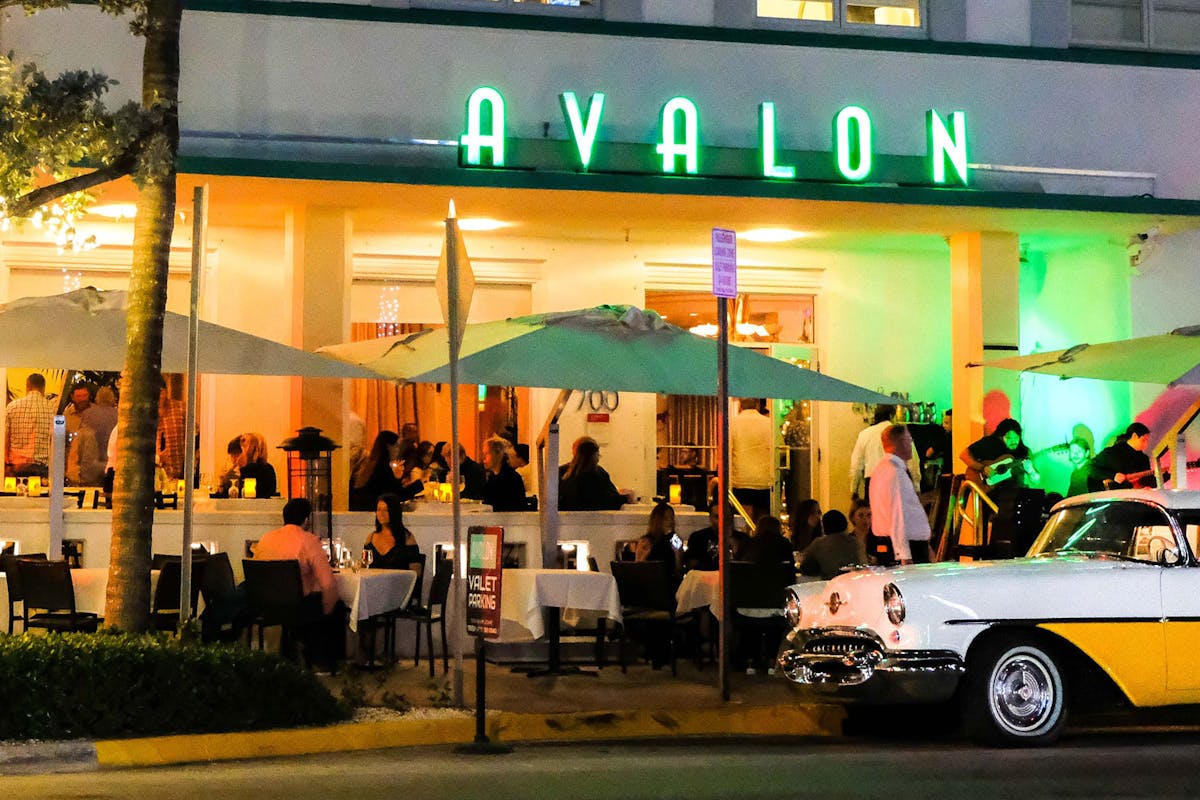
(679, 146)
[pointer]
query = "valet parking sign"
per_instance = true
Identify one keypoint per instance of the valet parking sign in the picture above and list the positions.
(484, 548)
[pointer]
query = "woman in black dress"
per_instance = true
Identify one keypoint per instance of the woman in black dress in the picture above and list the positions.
(392, 545)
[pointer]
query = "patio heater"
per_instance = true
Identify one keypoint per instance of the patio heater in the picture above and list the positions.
(310, 475)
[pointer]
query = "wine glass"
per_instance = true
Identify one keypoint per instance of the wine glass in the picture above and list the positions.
(368, 557)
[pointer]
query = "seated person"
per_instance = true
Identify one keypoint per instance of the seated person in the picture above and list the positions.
(838, 548)
(229, 473)
(253, 465)
(324, 633)
(768, 545)
(702, 550)
(503, 490)
(583, 484)
(392, 545)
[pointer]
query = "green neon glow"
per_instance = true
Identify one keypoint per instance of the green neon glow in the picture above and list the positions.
(766, 138)
(584, 136)
(943, 146)
(475, 140)
(852, 140)
(671, 148)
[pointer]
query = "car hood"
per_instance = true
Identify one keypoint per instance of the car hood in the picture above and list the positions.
(1061, 587)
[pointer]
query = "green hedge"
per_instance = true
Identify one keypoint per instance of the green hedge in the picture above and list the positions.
(107, 685)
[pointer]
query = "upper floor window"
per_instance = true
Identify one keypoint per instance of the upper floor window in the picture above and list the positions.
(857, 16)
(1152, 24)
(588, 7)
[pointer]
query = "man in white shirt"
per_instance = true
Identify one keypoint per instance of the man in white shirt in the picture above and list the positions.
(896, 511)
(751, 466)
(868, 451)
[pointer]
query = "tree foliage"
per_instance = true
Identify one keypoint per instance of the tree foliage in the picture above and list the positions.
(57, 140)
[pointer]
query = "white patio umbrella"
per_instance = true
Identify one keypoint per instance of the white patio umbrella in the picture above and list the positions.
(1169, 358)
(85, 329)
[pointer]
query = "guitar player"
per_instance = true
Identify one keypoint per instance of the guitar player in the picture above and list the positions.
(1123, 464)
(1001, 458)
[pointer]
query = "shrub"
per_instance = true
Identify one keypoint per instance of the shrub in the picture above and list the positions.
(105, 684)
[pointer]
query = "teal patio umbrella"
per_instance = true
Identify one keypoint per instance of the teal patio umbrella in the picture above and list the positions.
(620, 348)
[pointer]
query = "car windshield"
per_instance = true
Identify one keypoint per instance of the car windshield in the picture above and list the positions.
(1136, 531)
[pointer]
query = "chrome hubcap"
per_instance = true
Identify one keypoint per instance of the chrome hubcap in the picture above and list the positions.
(1022, 694)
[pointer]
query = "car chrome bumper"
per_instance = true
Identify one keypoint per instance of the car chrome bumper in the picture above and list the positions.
(853, 665)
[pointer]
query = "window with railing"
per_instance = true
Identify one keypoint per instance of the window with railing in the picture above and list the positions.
(1152, 24)
(850, 16)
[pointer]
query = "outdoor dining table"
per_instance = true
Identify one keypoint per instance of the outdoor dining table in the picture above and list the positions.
(367, 592)
(700, 588)
(540, 599)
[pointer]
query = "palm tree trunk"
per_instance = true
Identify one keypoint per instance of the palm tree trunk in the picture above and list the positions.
(127, 604)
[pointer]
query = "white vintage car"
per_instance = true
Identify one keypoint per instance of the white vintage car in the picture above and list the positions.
(1107, 601)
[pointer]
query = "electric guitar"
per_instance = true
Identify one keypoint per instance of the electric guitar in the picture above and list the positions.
(1138, 479)
(1001, 469)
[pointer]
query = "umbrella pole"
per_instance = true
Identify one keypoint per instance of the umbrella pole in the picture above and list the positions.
(199, 243)
(547, 446)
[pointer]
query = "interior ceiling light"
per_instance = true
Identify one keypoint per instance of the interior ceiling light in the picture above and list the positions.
(115, 210)
(481, 224)
(770, 235)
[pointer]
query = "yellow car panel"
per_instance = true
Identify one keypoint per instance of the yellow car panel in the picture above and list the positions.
(1132, 653)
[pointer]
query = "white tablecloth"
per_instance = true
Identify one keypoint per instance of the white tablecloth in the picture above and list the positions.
(698, 589)
(368, 592)
(525, 592)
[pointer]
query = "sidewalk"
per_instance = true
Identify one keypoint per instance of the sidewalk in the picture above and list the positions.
(603, 705)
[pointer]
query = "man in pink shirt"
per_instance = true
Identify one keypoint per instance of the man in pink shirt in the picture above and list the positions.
(324, 635)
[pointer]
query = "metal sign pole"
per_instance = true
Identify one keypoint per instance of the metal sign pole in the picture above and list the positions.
(724, 283)
(723, 521)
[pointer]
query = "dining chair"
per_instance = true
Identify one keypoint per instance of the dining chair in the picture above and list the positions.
(49, 597)
(224, 605)
(164, 609)
(759, 586)
(648, 603)
(275, 597)
(388, 619)
(15, 592)
(431, 612)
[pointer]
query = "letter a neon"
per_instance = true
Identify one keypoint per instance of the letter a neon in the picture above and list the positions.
(671, 148)
(584, 136)
(946, 147)
(475, 140)
(766, 137)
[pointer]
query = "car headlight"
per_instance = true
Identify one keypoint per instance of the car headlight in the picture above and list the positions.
(893, 603)
(791, 609)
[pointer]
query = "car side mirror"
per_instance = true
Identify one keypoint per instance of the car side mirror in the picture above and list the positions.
(1168, 556)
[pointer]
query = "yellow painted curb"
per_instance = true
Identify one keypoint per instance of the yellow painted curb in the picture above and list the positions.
(161, 750)
(789, 720)
(813, 720)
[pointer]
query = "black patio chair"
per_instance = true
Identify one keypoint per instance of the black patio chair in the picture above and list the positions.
(50, 597)
(388, 619)
(16, 593)
(432, 612)
(760, 587)
(275, 598)
(647, 595)
(164, 613)
(224, 605)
